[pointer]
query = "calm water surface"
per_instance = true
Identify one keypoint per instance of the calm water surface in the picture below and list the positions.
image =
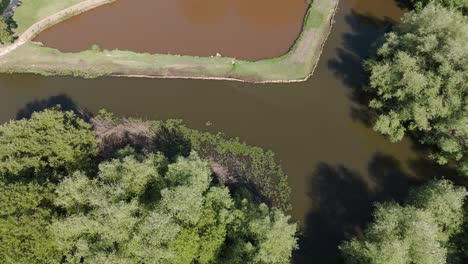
(244, 29)
(338, 167)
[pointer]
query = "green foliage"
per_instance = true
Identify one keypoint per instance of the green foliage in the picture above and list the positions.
(418, 82)
(49, 145)
(133, 176)
(108, 220)
(172, 143)
(6, 36)
(461, 5)
(417, 232)
(444, 201)
(63, 204)
(24, 236)
(191, 171)
(458, 250)
(255, 235)
(245, 165)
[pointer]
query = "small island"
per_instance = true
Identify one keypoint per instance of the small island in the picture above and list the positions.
(30, 18)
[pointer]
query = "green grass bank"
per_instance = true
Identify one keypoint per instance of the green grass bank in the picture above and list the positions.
(297, 65)
(32, 11)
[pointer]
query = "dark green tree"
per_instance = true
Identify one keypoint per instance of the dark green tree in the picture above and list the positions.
(419, 82)
(33, 153)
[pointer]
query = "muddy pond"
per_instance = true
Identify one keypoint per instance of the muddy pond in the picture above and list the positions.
(243, 29)
(337, 166)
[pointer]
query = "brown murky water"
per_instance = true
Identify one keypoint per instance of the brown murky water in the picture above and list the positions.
(338, 167)
(244, 29)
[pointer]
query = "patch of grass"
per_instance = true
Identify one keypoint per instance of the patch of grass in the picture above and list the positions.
(32, 11)
(297, 64)
(315, 18)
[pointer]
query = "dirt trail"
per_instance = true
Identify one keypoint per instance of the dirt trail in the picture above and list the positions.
(35, 29)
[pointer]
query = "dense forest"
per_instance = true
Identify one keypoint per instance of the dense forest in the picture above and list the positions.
(110, 190)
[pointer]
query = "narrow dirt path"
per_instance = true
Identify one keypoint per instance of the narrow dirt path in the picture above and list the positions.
(35, 29)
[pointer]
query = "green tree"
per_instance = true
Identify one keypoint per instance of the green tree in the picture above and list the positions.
(445, 203)
(109, 218)
(416, 233)
(49, 145)
(24, 221)
(5, 33)
(106, 212)
(418, 82)
(255, 234)
(455, 4)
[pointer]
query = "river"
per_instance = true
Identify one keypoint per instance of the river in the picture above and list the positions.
(337, 165)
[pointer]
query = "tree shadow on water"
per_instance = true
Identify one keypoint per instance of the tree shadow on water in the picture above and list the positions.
(406, 4)
(342, 205)
(347, 65)
(63, 101)
(357, 44)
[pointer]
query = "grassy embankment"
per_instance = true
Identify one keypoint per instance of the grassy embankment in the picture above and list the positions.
(32, 11)
(296, 65)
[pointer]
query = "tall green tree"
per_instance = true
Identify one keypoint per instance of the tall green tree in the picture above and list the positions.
(49, 145)
(415, 233)
(33, 153)
(419, 82)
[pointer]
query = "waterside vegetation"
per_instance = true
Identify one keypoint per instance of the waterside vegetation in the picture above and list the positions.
(111, 190)
(419, 82)
(418, 87)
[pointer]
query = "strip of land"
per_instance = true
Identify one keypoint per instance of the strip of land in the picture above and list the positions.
(24, 56)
